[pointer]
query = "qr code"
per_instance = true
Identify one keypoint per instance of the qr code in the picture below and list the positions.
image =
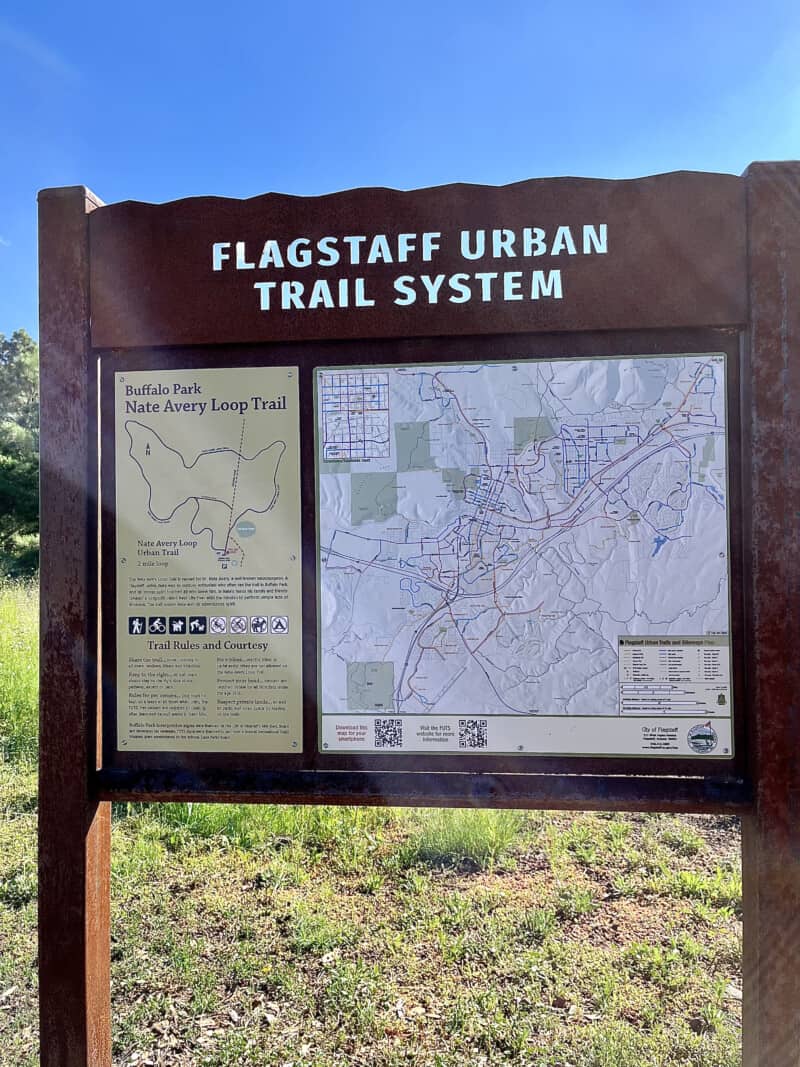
(388, 733)
(473, 733)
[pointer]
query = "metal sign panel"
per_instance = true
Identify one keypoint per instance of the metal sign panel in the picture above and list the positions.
(518, 551)
(525, 556)
(550, 254)
(208, 576)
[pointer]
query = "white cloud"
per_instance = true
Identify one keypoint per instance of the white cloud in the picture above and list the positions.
(4, 243)
(37, 51)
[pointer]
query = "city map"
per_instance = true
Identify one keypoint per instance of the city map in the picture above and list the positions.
(525, 556)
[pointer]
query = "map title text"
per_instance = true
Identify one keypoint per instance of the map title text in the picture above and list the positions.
(179, 399)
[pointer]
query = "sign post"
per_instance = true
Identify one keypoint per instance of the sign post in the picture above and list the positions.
(771, 828)
(74, 827)
(461, 496)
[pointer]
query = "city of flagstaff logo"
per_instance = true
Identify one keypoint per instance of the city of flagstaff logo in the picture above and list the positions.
(702, 738)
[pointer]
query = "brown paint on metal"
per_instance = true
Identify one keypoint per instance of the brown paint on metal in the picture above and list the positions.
(771, 837)
(676, 258)
(74, 829)
(429, 789)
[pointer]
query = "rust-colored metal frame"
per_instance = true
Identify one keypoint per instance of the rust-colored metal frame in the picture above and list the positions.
(455, 778)
(74, 826)
(765, 783)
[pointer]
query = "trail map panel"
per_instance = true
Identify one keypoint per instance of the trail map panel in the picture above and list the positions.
(208, 560)
(526, 556)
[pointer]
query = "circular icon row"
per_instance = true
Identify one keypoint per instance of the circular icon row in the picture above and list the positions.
(198, 625)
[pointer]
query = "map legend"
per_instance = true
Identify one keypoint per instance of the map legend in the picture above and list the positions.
(674, 676)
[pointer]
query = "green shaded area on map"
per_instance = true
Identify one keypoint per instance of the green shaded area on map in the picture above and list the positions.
(413, 444)
(373, 497)
(370, 686)
(453, 478)
(529, 429)
(707, 458)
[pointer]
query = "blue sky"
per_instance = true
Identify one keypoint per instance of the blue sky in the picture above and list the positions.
(154, 101)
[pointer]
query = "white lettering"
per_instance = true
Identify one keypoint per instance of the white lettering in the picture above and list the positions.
(219, 254)
(563, 240)
(404, 285)
(327, 245)
(241, 261)
(533, 241)
(406, 242)
(546, 286)
(458, 283)
(379, 249)
(430, 244)
(433, 285)
(486, 278)
(264, 289)
(511, 285)
(355, 251)
(291, 295)
(270, 256)
(480, 244)
(362, 300)
(321, 294)
(591, 237)
(503, 243)
(298, 253)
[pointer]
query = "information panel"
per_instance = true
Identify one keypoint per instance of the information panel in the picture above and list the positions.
(527, 556)
(208, 560)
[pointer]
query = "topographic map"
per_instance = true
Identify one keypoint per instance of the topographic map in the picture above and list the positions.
(222, 486)
(491, 534)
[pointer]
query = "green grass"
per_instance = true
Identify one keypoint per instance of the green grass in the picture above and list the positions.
(474, 840)
(249, 936)
(19, 670)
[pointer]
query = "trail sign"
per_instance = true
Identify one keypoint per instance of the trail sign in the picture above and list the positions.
(469, 495)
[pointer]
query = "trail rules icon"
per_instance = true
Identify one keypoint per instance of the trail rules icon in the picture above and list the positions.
(279, 624)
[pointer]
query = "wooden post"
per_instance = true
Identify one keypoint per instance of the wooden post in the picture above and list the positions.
(74, 830)
(771, 834)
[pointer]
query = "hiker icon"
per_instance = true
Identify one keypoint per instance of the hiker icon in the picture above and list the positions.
(157, 624)
(136, 625)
